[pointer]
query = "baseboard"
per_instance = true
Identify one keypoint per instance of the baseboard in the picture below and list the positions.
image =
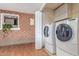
(14, 42)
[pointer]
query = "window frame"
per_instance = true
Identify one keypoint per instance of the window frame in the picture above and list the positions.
(2, 20)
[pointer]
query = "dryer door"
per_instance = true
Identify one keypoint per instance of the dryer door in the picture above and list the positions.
(63, 32)
(46, 31)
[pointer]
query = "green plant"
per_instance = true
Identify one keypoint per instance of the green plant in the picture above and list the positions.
(6, 28)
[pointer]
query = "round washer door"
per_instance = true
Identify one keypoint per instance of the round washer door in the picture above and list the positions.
(63, 32)
(46, 31)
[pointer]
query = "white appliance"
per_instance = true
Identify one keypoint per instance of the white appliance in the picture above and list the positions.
(67, 37)
(38, 30)
(49, 38)
(46, 31)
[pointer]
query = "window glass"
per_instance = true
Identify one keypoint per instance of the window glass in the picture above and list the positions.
(46, 31)
(11, 20)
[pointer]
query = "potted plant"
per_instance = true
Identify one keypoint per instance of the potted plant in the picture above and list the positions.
(6, 28)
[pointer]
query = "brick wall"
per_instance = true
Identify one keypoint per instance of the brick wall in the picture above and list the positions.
(24, 35)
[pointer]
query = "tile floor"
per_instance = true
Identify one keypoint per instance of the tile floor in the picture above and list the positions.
(22, 50)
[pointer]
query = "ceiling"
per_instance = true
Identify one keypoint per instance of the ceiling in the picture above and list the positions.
(28, 7)
(21, 7)
(52, 5)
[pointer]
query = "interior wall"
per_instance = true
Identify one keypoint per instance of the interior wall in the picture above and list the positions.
(26, 34)
(64, 11)
(67, 10)
(48, 16)
(75, 10)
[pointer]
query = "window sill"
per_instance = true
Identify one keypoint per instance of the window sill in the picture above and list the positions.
(0, 28)
(12, 28)
(15, 28)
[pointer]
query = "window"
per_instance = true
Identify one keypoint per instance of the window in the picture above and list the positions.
(11, 19)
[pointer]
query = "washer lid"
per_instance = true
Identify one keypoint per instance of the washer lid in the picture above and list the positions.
(64, 32)
(46, 31)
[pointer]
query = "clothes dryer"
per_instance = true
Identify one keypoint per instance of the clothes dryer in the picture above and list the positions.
(67, 37)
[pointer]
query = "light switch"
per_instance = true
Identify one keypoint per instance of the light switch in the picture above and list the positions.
(31, 21)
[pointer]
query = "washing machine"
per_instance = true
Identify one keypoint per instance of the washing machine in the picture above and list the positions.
(49, 38)
(46, 31)
(67, 37)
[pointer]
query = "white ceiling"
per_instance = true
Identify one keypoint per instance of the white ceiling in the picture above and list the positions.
(52, 5)
(21, 7)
